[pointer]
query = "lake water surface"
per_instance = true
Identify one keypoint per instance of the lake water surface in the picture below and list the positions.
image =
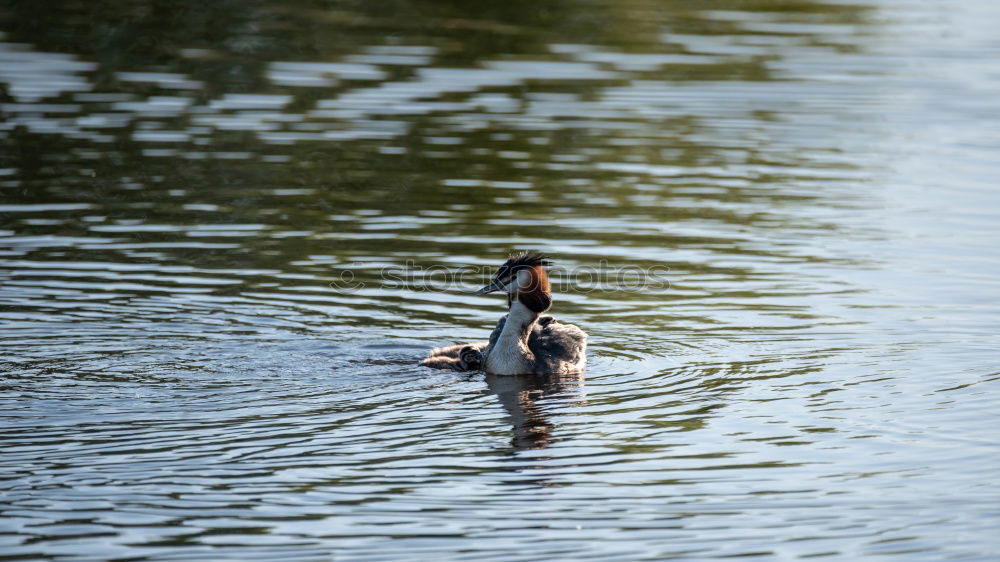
(184, 186)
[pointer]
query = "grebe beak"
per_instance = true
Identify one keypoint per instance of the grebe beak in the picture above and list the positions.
(492, 287)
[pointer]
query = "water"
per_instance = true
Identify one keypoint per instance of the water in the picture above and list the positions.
(183, 186)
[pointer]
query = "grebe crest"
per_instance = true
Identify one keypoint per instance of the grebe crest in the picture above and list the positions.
(523, 278)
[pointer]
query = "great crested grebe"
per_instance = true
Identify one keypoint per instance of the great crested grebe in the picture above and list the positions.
(523, 342)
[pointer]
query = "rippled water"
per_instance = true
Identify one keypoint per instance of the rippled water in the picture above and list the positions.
(183, 184)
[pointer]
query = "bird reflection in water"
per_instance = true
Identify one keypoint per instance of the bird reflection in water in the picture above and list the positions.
(524, 397)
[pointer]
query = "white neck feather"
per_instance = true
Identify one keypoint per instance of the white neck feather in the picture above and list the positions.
(510, 355)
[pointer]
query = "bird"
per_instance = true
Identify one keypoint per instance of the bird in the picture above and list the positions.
(523, 341)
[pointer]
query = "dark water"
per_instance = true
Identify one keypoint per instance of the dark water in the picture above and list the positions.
(183, 184)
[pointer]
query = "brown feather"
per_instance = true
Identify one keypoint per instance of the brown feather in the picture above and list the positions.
(538, 296)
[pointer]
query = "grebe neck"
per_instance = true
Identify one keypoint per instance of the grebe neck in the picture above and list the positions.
(519, 322)
(510, 355)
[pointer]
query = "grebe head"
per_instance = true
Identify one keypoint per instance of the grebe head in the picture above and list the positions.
(523, 278)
